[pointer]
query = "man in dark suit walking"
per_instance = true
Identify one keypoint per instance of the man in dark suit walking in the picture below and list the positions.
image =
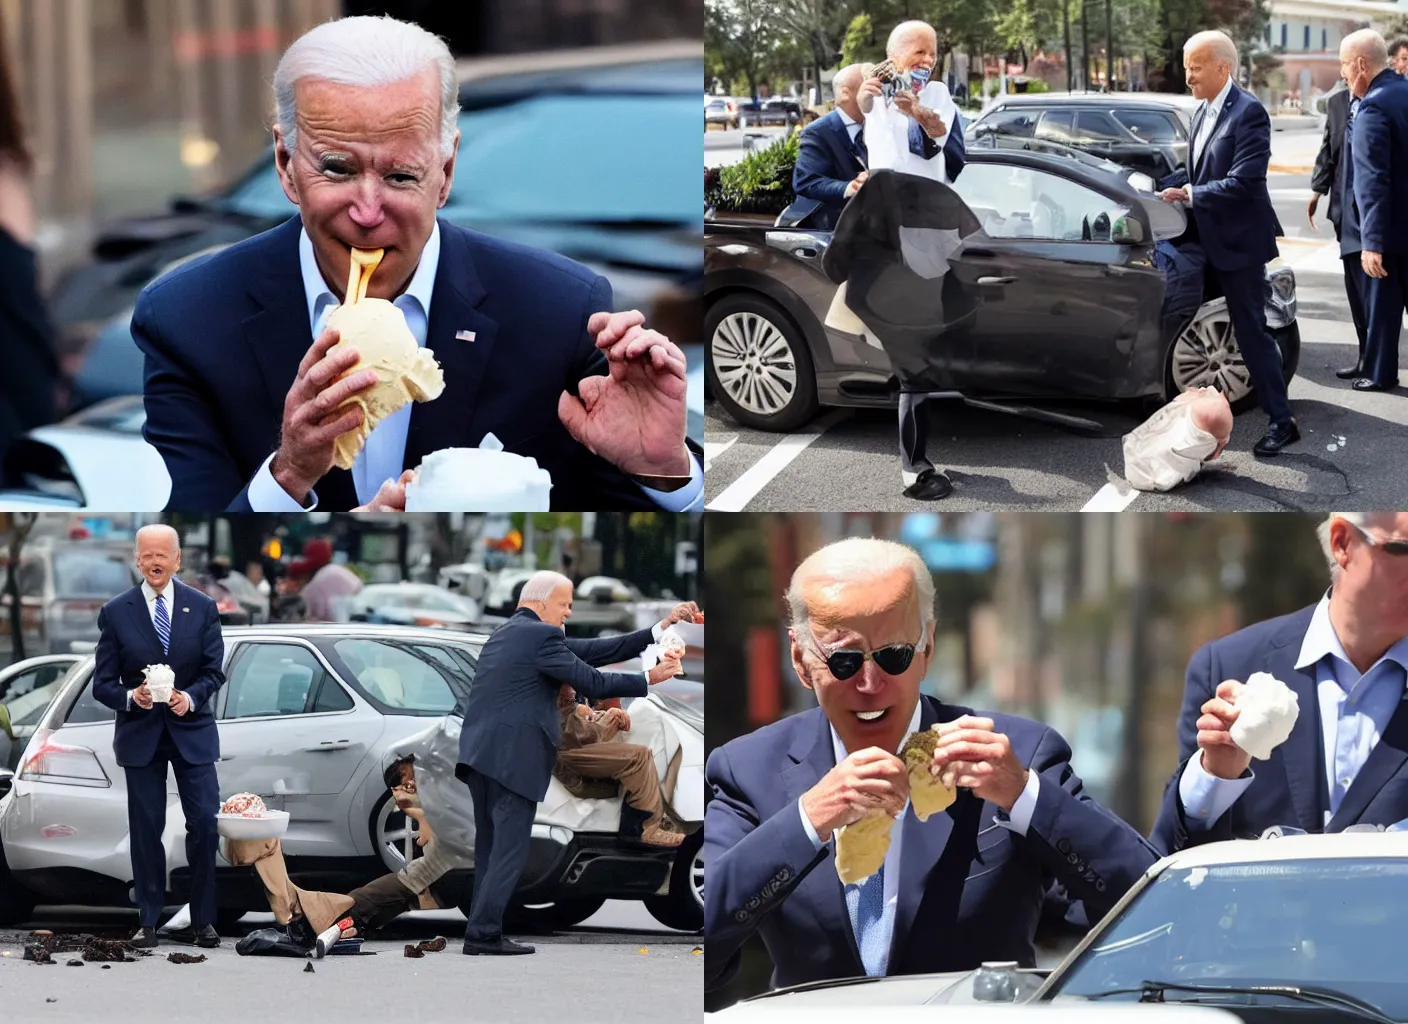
(511, 733)
(245, 396)
(1346, 761)
(831, 157)
(165, 622)
(1378, 138)
(1231, 223)
(965, 886)
(1333, 177)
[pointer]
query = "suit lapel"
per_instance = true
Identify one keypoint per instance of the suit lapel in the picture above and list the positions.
(446, 422)
(178, 617)
(1219, 127)
(1302, 755)
(137, 604)
(814, 755)
(922, 844)
(1385, 761)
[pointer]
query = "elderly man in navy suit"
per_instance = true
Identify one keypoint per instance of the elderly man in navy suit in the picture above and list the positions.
(1231, 223)
(164, 622)
(512, 731)
(1346, 761)
(1334, 177)
(1378, 138)
(244, 395)
(831, 157)
(965, 886)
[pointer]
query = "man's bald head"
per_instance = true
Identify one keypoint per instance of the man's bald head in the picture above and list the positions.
(845, 84)
(549, 596)
(1363, 55)
(1209, 60)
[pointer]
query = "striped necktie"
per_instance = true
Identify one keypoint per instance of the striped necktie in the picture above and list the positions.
(163, 624)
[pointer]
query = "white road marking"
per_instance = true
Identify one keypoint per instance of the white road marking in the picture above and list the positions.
(713, 449)
(736, 496)
(1110, 499)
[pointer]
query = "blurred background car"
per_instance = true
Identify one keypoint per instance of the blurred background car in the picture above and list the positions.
(26, 688)
(415, 604)
(720, 111)
(62, 585)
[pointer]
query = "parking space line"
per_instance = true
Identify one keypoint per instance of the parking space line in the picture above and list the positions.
(713, 449)
(1110, 499)
(738, 494)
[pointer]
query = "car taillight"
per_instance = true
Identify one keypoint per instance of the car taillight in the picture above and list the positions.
(65, 764)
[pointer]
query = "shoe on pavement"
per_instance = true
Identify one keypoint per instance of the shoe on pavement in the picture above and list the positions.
(654, 835)
(501, 947)
(206, 937)
(144, 939)
(1278, 436)
(931, 486)
(1367, 384)
(1350, 372)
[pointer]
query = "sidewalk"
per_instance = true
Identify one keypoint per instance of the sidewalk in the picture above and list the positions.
(1293, 150)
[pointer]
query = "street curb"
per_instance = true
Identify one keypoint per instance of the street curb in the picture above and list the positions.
(1291, 168)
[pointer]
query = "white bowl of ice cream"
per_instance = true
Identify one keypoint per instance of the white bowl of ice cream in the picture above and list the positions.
(244, 816)
(160, 681)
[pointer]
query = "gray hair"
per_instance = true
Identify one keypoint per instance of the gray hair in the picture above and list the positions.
(367, 51)
(1322, 531)
(1368, 44)
(855, 560)
(1220, 43)
(903, 31)
(852, 73)
(154, 528)
(541, 585)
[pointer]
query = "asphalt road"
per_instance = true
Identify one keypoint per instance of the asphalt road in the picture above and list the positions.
(618, 966)
(849, 459)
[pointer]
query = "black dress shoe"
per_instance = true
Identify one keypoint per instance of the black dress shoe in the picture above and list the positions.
(1350, 372)
(1278, 436)
(205, 937)
(144, 939)
(502, 947)
(931, 486)
(1365, 384)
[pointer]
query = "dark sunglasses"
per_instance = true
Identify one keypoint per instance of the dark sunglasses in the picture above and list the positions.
(893, 659)
(1392, 547)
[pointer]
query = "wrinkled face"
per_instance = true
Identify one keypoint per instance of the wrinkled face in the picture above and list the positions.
(557, 609)
(1371, 576)
(158, 558)
(1400, 61)
(846, 90)
(863, 616)
(1205, 71)
(919, 49)
(1354, 69)
(366, 173)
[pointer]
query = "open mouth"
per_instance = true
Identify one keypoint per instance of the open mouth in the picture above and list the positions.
(872, 716)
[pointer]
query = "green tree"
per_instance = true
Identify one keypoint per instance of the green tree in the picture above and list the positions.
(820, 25)
(860, 45)
(739, 39)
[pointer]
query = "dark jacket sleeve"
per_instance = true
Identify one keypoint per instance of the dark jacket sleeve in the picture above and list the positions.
(26, 346)
(1171, 832)
(1373, 189)
(1322, 179)
(814, 176)
(1251, 156)
(753, 866)
(212, 674)
(611, 649)
(556, 661)
(107, 671)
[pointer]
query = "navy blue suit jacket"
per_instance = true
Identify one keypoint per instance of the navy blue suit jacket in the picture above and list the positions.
(511, 726)
(127, 643)
(223, 337)
(1380, 151)
(972, 890)
(1290, 788)
(1236, 223)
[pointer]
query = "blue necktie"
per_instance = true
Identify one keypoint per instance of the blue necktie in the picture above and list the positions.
(866, 903)
(163, 625)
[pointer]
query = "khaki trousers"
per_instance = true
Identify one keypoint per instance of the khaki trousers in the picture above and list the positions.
(629, 763)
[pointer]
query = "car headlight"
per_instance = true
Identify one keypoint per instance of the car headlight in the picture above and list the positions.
(1283, 284)
(1141, 182)
(1281, 310)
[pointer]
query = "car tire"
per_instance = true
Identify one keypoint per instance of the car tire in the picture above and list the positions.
(375, 830)
(16, 902)
(736, 327)
(1209, 336)
(550, 917)
(683, 906)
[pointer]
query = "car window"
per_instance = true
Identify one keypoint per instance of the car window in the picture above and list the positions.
(396, 677)
(1021, 202)
(87, 709)
(89, 573)
(1099, 126)
(1021, 123)
(1151, 125)
(332, 697)
(270, 679)
(27, 695)
(458, 662)
(1058, 126)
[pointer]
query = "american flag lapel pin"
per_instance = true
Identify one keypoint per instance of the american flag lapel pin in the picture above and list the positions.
(464, 335)
(185, 609)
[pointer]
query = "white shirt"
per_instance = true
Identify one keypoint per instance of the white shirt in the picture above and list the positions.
(1166, 450)
(887, 134)
(168, 596)
(384, 455)
(1212, 109)
(852, 126)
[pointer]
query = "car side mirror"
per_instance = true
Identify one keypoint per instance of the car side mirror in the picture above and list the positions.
(1127, 231)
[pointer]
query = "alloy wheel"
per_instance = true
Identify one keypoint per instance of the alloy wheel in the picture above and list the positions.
(754, 363)
(1206, 355)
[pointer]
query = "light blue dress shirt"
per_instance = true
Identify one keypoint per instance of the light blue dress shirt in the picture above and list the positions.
(1018, 821)
(1354, 712)
(384, 455)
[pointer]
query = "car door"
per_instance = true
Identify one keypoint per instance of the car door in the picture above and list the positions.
(25, 692)
(293, 734)
(1060, 306)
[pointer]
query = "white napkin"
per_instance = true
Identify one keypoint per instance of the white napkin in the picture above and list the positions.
(160, 680)
(671, 640)
(1266, 713)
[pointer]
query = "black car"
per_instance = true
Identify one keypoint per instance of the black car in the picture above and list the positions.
(1139, 132)
(1066, 304)
(536, 147)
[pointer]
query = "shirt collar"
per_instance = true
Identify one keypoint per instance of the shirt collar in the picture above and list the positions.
(1216, 104)
(846, 119)
(840, 748)
(317, 293)
(166, 592)
(1322, 641)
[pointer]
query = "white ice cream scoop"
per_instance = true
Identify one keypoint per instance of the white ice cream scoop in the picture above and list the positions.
(1266, 713)
(160, 680)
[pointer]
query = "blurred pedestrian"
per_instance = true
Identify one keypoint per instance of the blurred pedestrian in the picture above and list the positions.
(1398, 56)
(29, 370)
(323, 591)
(1333, 177)
(289, 604)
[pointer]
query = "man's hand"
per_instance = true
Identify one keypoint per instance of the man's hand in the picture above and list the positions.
(619, 716)
(635, 417)
(142, 697)
(312, 420)
(981, 760)
(1310, 210)
(1222, 758)
(667, 668)
(1175, 195)
(856, 183)
(1373, 263)
(907, 104)
(864, 781)
(685, 611)
(391, 496)
(865, 95)
(180, 703)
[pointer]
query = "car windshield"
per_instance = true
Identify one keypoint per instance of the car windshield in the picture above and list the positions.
(545, 159)
(80, 573)
(1332, 923)
(402, 678)
(692, 714)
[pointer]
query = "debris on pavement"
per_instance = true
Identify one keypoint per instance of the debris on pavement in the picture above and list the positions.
(697, 951)
(185, 958)
(434, 945)
(75, 963)
(90, 947)
(309, 969)
(414, 952)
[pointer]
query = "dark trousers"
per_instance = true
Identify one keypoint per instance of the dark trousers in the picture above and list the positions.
(1355, 288)
(914, 433)
(503, 829)
(146, 815)
(1384, 304)
(1246, 292)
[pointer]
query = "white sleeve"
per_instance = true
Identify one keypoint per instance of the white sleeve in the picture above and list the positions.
(265, 494)
(936, 97)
